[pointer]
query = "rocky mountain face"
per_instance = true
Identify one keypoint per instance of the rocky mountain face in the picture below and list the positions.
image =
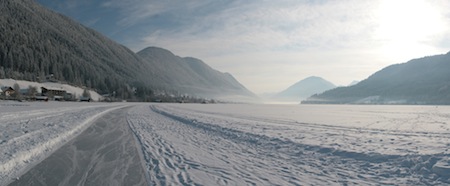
(37, 43)
(304, 89)
(419, 81)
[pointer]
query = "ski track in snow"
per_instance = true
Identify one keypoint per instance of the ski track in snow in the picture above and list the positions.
(30, 135)
(185, 146)
(194, 144)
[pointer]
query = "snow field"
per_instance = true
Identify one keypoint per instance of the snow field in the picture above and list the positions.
(232, 144)
(178, 154)
(29, 136)
(253, 144)
(397, 130)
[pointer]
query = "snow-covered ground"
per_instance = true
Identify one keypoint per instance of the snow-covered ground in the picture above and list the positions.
(236, 144)
(294, 144)
(30, 131)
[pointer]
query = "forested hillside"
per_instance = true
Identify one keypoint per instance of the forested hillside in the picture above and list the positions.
(37, 43)
(420, 81)
(189, 75)
(214, 77)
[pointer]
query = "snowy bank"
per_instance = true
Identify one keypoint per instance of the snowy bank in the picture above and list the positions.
(69, 88)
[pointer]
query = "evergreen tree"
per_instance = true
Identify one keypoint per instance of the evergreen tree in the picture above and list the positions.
(86, 93)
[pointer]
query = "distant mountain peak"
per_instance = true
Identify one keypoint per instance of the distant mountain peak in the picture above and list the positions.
(419, 81)
(155, 48)
(152, 49)
(304, 88)
(354, 82)
(313, 77)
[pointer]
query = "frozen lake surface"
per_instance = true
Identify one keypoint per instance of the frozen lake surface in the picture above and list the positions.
(234, 144)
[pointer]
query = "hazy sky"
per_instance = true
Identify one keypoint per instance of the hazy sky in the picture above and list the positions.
(269, 45)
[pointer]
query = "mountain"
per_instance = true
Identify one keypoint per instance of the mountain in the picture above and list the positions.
(37, 43)
(304, 89)
(419, 81)
(353, 83)
(189, 75)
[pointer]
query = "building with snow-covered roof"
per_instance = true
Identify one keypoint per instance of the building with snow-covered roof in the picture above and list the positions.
(7, 91)
(53, 92)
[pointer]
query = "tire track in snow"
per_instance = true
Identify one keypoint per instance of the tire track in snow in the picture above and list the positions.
(104, 154)
(45, 134)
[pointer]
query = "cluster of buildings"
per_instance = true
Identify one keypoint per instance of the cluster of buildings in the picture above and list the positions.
(45, 94)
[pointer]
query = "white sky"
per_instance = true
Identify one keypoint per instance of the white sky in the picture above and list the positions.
(270, 45)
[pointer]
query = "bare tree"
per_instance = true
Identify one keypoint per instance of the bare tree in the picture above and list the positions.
(32, 90)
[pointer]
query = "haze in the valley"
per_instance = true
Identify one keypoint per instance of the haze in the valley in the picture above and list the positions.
(270, 45)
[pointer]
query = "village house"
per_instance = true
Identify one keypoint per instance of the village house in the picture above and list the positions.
(7, 91)
(53, 93)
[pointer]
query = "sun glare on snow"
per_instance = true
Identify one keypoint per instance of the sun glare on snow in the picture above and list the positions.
(408, 27)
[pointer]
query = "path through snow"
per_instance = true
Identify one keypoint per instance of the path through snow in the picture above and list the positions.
(104, 154)
(29, 132)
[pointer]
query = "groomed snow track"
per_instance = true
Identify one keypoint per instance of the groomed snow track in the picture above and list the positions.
(28, 137)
